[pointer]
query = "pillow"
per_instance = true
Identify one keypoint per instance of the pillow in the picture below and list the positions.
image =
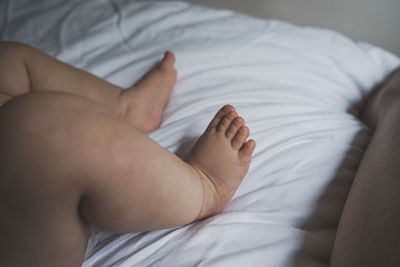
(298, 88)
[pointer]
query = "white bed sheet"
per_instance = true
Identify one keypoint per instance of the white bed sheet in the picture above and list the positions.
(296, 87)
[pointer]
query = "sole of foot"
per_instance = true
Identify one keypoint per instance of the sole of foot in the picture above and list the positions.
(221, 156)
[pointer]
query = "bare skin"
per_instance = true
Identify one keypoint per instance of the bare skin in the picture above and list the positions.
(74, 156)
(25, 69)
(368, 234)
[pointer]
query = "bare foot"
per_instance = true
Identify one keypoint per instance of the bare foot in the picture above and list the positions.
(222, 157)
(381, 98)
(142, 105)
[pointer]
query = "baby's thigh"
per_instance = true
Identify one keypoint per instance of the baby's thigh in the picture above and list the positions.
(44, 144)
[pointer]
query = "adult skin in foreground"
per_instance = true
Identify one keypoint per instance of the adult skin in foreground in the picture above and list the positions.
(368, 234)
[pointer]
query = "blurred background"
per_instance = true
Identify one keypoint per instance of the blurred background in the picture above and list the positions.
(373, 21)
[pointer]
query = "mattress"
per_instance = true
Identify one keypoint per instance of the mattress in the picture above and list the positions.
(299, 89)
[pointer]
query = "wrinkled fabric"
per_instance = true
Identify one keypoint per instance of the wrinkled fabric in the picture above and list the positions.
(298, 88)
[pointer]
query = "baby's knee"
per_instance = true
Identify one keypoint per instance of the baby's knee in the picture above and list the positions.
(31, 116)
(46, 129)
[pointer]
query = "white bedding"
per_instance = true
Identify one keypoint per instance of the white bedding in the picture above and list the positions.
(296, 87)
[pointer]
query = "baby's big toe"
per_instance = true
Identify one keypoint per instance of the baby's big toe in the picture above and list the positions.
(226, 121)
(168, 60)
(240, 137)
(220, 114)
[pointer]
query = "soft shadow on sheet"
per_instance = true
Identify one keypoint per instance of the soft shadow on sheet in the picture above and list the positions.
(307, 252)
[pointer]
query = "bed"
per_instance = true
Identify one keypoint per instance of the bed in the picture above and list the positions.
(299, 89)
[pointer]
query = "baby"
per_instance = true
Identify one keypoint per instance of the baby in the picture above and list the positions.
(75, 154)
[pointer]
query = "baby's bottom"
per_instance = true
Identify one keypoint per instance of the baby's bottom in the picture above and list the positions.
(68, 163)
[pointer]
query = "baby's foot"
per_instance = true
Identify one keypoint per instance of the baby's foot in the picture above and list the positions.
(383, 96)
(142, 105)
(222, 157)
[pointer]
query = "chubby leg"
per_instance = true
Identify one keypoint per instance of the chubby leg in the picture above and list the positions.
(68, 163)
(25, 69)
(368, 233)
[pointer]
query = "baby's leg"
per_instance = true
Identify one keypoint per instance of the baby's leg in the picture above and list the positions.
(68, 163)
(25, 69)
(368, 233)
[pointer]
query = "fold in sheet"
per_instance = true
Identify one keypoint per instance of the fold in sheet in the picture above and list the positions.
(298, 88)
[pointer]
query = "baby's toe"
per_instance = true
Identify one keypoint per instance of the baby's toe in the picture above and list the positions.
(247, 150)
(240, 137)
(233, 127)
(168, 60)
(225, 121)
(224, 110)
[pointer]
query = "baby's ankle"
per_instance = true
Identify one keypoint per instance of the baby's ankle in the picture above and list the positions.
(209, 192)
(122, 103)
